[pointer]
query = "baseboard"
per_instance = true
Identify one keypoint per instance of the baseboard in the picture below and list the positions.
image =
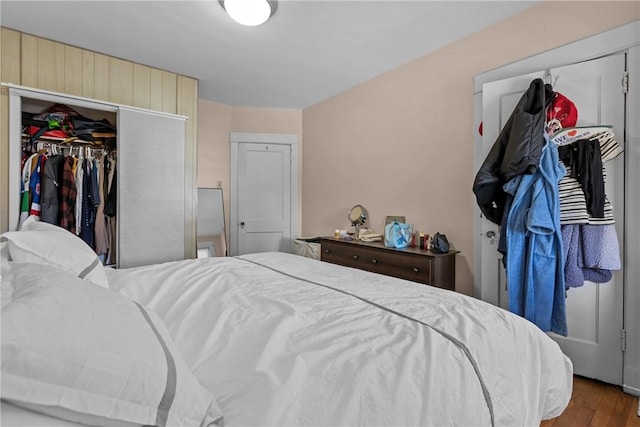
(632, 391)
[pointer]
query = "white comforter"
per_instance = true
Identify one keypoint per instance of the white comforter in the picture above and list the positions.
(286, 340)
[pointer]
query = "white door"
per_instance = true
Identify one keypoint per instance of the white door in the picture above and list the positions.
(264, 197)
(594, 311)
(499, 98)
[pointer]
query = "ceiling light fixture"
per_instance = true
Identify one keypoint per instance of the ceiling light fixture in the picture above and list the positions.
(249, 12)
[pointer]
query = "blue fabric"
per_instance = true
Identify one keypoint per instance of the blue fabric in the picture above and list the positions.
(535, 269)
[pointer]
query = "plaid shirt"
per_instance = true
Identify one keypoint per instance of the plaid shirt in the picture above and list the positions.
(68, 193)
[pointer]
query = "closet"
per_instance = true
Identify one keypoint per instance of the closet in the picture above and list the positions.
(147, 151)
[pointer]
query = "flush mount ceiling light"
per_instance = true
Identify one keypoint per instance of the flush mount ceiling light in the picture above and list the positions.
(249, 12)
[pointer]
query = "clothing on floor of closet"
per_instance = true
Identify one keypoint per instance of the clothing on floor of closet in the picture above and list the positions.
(534, 267)
(573, 201)
(591, 252)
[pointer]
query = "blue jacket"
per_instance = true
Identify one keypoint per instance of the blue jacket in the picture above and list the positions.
(535, 267)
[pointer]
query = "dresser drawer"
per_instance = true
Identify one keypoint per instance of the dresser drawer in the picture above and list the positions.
(403, 265)
(413, 264)
(343, 254)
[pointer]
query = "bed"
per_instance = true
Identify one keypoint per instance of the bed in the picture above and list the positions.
(266, 339)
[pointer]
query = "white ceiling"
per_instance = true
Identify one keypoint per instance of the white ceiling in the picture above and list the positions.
(308, 51)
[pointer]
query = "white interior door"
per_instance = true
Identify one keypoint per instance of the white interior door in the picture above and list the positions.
(264, 197)
(595, 311)
(499, 98)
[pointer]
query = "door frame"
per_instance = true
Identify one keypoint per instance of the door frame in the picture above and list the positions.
(625, 37)
(237, 138)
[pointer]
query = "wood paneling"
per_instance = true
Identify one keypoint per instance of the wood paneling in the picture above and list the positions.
(10, 61)
(141, 86)
(10, 51)
(29, 61)
(101, 77)
(187, 96)
(88, 74)
(156, 89)
(169, 92)
(50, 65)
(120, 81)
(73, 71)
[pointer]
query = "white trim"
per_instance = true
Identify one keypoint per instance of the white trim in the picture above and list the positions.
(631, 363)
(634, 391)
(264, 138)
(260, 138)
(614, 40)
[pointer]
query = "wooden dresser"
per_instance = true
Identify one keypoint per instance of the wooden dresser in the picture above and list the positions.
(413, 264)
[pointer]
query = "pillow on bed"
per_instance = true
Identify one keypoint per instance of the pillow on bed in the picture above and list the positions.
(45, 243)
(92, 355)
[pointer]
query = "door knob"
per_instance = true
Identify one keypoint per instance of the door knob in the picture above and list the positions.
(492, 236)
(242, 224)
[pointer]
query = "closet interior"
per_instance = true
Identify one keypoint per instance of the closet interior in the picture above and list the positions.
(68, 165)
(131, 210)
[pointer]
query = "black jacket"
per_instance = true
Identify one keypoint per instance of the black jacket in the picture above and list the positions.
(516, 151)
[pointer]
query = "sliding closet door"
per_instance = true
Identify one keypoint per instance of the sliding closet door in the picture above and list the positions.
(150, 187)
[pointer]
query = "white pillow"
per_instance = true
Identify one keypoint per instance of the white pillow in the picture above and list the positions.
(90, 355)
(44, 243)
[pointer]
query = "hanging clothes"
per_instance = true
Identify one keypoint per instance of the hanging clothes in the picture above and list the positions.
(585, 163)
(25, 201)
(573, 201)
(516, 151)
(100, 226)
(88, 208)
(68, 196)
(534, 267)
(34, 186)
(50, 189)
(79, 195)
(591, 252)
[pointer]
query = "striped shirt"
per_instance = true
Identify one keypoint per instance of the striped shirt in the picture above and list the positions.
(573, 205)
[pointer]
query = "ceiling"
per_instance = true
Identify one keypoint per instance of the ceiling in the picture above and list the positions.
(307, 52)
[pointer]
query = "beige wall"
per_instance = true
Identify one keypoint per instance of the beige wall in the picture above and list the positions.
(216, 121)
(402, 143)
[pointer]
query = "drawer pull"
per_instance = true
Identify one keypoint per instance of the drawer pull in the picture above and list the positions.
(374, 261)
(327, 251)
(356, 257)
(416, 269)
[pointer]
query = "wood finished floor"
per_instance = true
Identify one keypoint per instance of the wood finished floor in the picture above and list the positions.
(597, 404)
